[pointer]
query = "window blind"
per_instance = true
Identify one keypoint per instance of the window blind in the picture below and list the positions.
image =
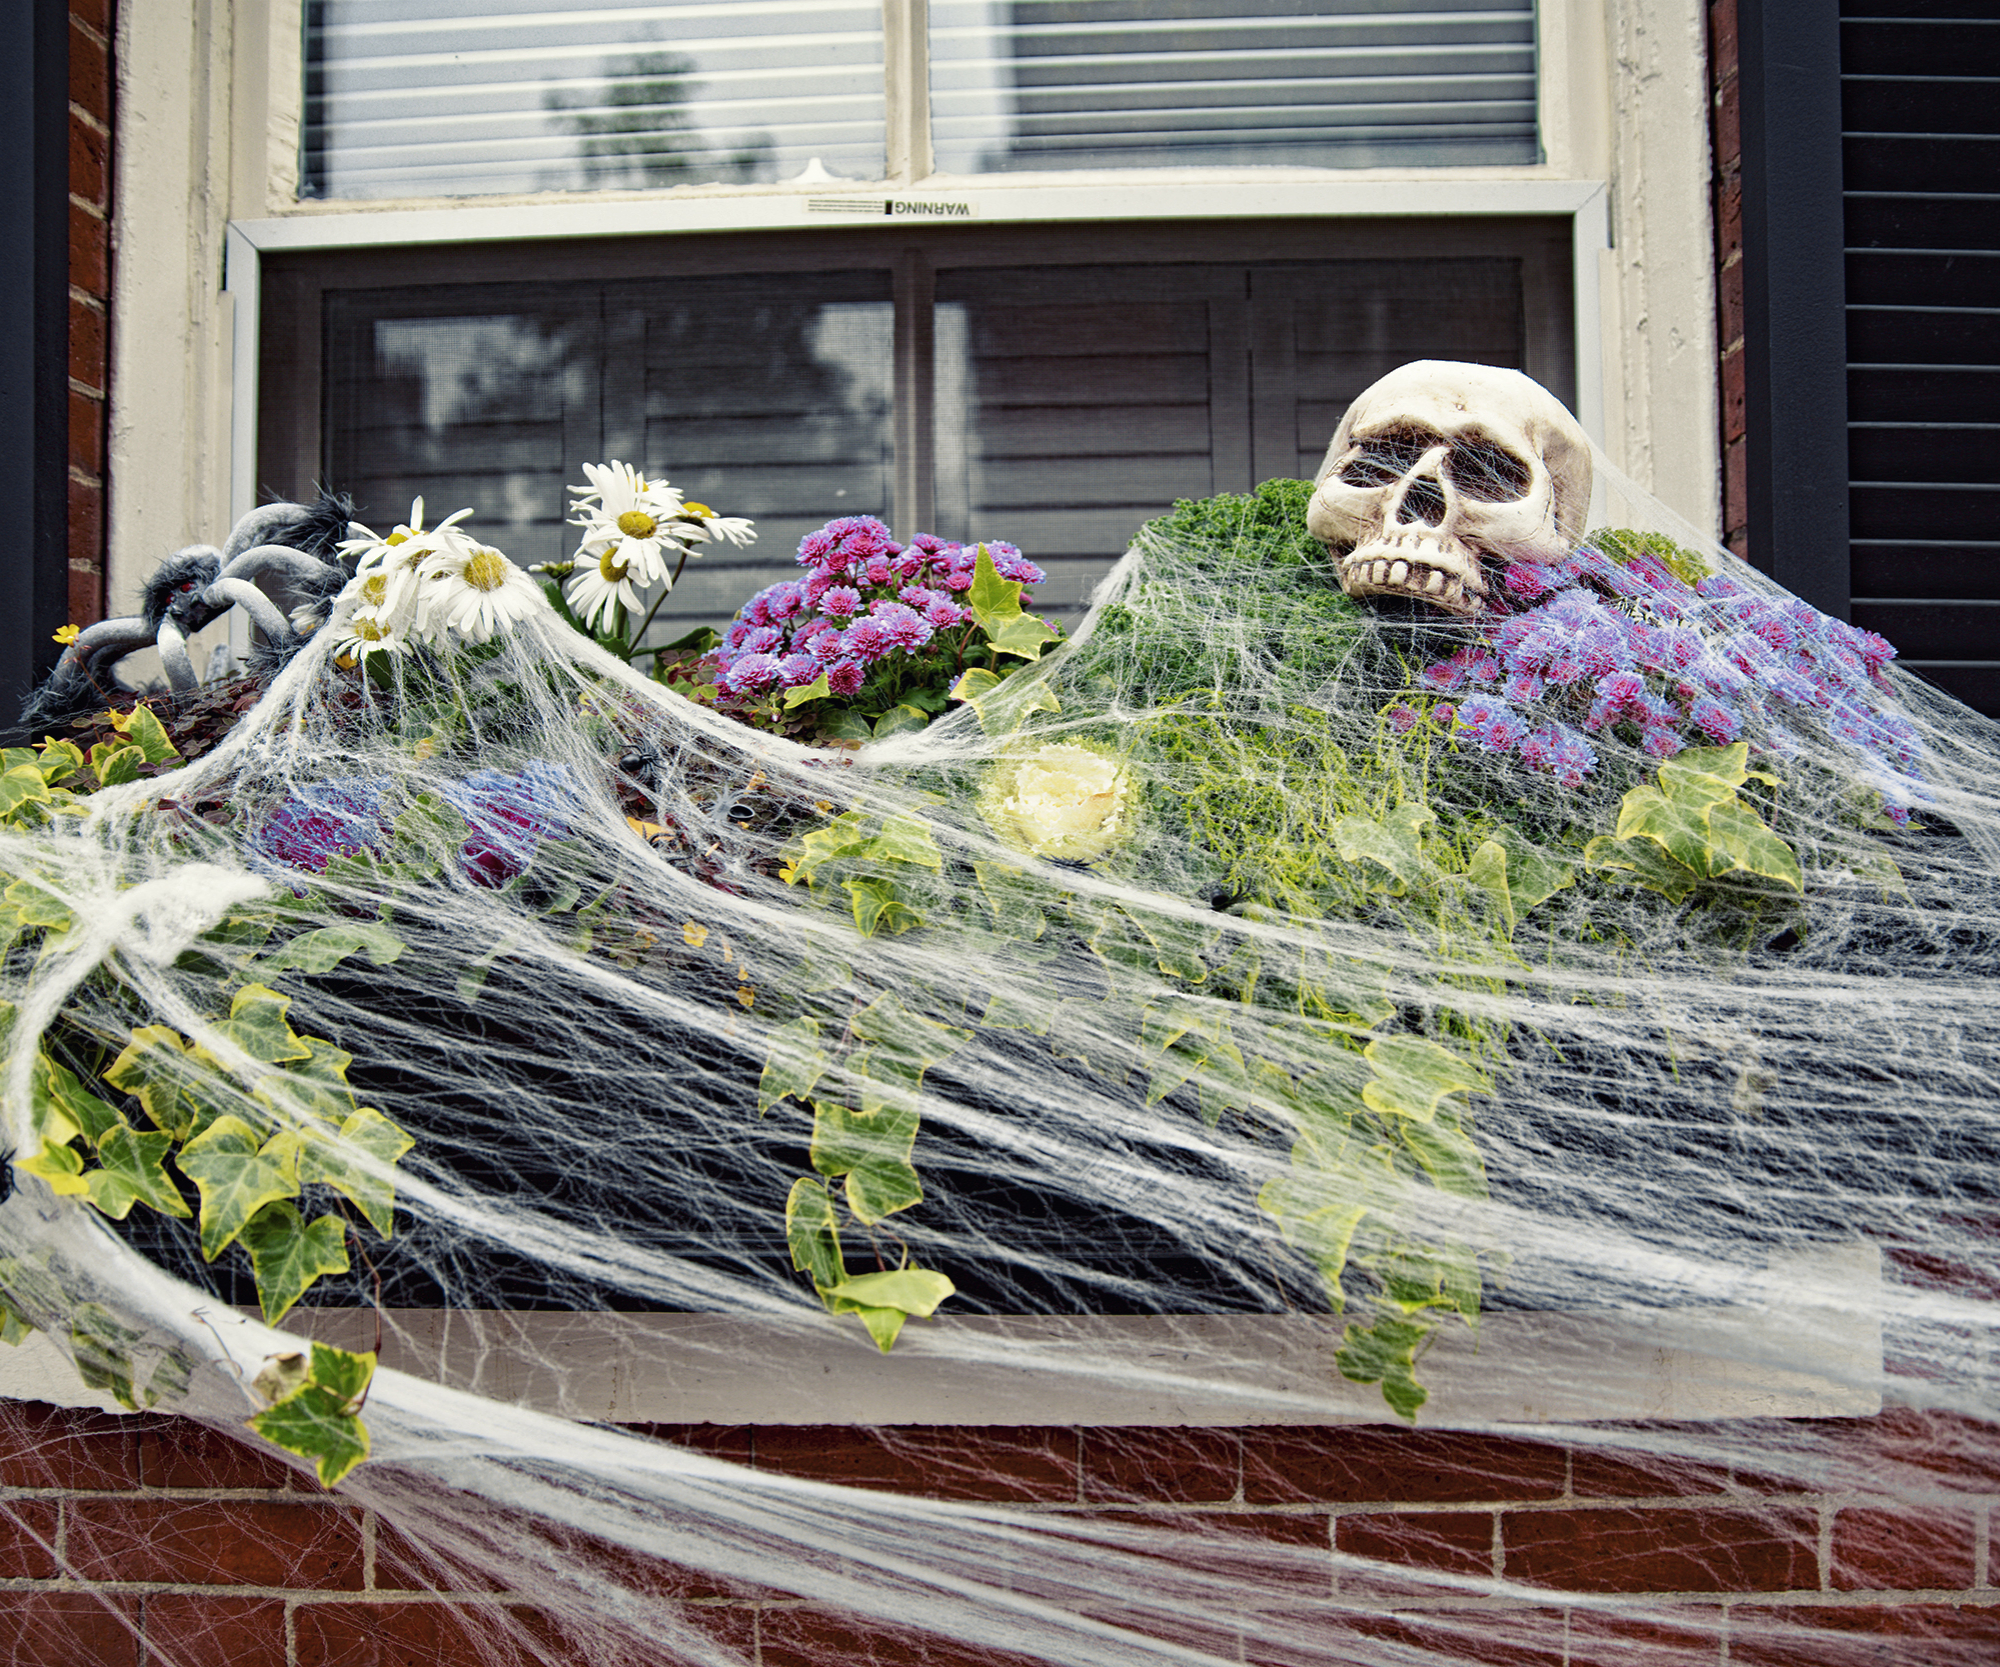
(471, 97)
(1019, 84)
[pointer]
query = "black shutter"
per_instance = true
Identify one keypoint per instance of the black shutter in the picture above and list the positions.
(1920, 95)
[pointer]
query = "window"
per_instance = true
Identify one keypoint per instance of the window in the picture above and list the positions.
(1050, 386)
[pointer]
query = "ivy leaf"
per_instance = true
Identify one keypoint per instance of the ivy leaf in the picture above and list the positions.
(1645, 862)
(901, 719)
(102, 1348)
(318, 1421)
(845, 836)
(1704, 776)
(1447, 1155)
(812, 1231)
(323, 949)
(115, 762)
(1488, 871)
(288, 1256)
(905, 839)
(315, 1086)
(912, 1041)
(1386, 1353)
(132, 1172)
(21, 786)
(60, 1098)
(974, 684)
(884, 1325)
(61, 1165)
(154, 1069)
(1742, 841)
(35, 905)
(1414, 1075)
(911, 1290)
(1003, 715)
(873, 1152)
(1533, 876)
(366, 1134)
(236, 1178)
(56, 759)
(1678, 827)
(878, 908)
(817, 689)
(793, 1062)
(257, 1025)
(1391, 843)
(144, 730)
(993, 600)
(1024, 637)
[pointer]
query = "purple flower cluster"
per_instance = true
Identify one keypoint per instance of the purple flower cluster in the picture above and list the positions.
(506, 817)
(1630, 649)
(864, 599)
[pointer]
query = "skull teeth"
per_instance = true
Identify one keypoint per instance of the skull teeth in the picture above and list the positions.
(1434, 585)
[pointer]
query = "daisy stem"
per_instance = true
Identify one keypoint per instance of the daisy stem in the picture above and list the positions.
(639, 636)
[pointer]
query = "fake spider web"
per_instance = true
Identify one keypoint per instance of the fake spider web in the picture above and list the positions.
(1345, 1005)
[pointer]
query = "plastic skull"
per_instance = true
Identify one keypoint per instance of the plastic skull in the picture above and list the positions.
(1441, 467)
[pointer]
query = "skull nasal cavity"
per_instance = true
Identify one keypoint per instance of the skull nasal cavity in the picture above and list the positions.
(1423, 500)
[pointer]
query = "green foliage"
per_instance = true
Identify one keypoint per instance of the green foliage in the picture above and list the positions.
(1695, 826)
(315, 1409)
(1624, 546)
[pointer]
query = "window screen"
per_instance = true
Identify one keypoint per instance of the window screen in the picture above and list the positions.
(464, 97)
(1326, 83)
(986, 384)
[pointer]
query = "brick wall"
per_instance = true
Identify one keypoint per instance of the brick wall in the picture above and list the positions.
(1726, 146)
(120, 1534)
(91, 106)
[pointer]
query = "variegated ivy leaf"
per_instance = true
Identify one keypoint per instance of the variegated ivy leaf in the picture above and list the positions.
(142, 729)
(324, 948)
(155, 1070)
(102, 1348)
(877, 908)
(288, 1256)
(320, 1418)
(793, 1062)
(237, 1178)
(313, 1086)
(337, 1162)
(131, 1173)
(873, 1153)
(258, 1027)
(812, 1231)
(60, 1165)
(1413, 1075)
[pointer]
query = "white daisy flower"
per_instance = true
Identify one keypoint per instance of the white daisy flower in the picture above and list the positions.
(598, 586)
(474, 591)
(623, 514)
(699, 522)
(373, 550)
(365, 632)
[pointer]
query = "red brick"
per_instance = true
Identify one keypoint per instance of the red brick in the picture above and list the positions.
(182, 1629)
(734, 1442)
(67, 1629)
(1492, 1638)
(64, 1447)
(1728, 130)
(1736, 497)
(185, 1453)
(86, 433)
(1616, 1549)
(27, 1538)
(1876, 1550)
(814, 1637)
(1687, 1640)
(1446, 1542)
(425, 1635)
(1161, 1466)
(1721, 40)
(1024, 1465)
(89, 153)
(1903, 1453)
(1729, 307)
(1729, 218)
(86, 520)
(89, 252)
(1367, 1463)
(1872, 1635)
(249, 1542)
(96, 14)
(86, 344)
(1733, 378)
(1265, 1557)
(1607, 1473)
(90, 74)
(86, 594)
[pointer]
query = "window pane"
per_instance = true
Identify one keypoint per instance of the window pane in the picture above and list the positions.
(464, 97)
(1325, 83)
(760, 395)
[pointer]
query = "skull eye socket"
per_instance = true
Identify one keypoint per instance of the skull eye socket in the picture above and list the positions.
(1382, 458)
(1487, 473)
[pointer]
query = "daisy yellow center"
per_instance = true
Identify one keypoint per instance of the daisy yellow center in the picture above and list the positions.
(373, 589)
(636, 523)
(486, 570)
(397, 537)
(611, 568)
(368, 630)
(700, 510)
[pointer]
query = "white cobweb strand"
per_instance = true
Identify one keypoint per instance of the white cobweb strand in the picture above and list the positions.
(588, 1139)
